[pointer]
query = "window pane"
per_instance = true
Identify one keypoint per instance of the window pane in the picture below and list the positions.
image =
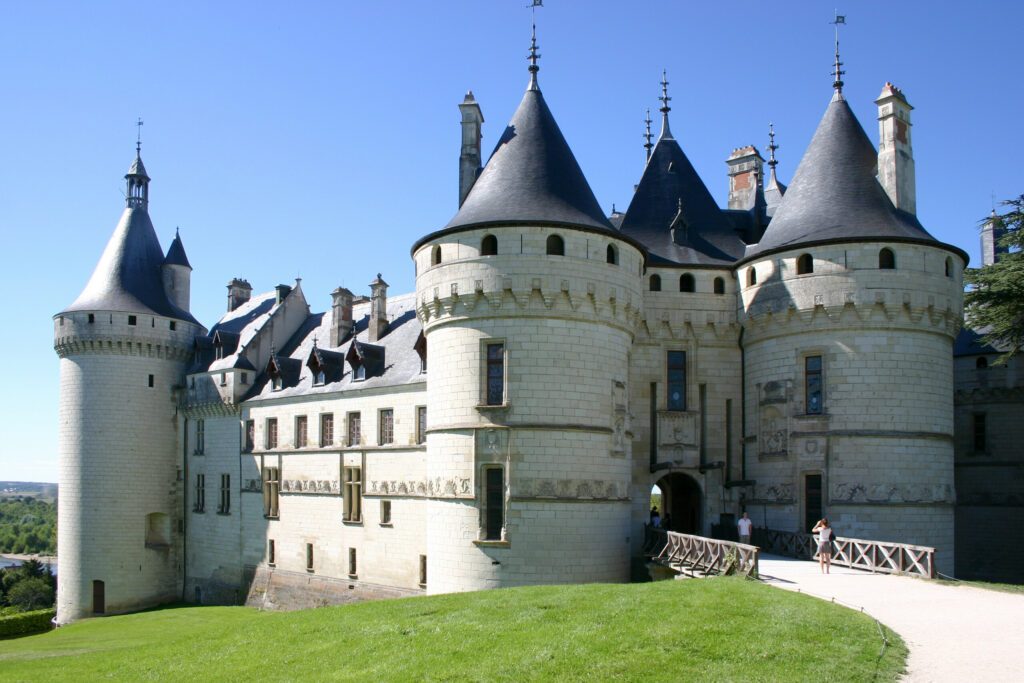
(495, 502)
(812, 384)
(495, 374)
(676, 377)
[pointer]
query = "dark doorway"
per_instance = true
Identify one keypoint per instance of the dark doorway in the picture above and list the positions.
(812, 500)
(681, 503)
(99, 598)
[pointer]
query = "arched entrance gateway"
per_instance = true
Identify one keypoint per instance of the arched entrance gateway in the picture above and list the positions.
(681, 502)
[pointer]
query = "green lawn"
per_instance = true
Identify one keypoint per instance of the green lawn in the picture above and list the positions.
(987, 585)
(703, 630)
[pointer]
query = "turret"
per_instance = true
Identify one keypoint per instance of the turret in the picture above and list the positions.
(239, 292)
(123, 346)
(177, 274)
(895, 151)
(469, 159)
(378, 326)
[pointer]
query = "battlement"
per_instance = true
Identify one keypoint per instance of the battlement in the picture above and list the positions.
(123, 334)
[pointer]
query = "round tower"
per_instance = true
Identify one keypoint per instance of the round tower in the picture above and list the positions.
(850, 309)
(123, 347)
(529, 299)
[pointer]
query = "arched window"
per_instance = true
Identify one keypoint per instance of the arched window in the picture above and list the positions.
(489, 246)
(886, 259)
(719, 286)
(949, 267)
(613, 255)
(804, 264)
(556, 246)
(686, 283)
(435, 255)
(751, 277)
(981, 363)
(655, 283)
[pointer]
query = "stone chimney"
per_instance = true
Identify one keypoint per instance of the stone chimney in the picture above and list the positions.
(895, 152)
(239, 292)
(469, 159)
(992, 231)
(282, 291)
(746, 178)
(341, 315)
(378, 309)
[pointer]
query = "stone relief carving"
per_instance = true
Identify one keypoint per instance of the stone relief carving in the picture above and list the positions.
(775, 492)
(774, 434)
(454, 487)
(253, 485)
(322, 486)
(569, 489)
(854, 492)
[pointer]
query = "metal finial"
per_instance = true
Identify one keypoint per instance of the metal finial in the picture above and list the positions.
(648, 145)
(772, 146)
(138, 138)
(534, 56)
(665, 109)
(837, 71)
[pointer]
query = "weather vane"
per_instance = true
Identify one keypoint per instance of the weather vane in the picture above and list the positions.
(138, 137)
(838, 71)
(647, 135)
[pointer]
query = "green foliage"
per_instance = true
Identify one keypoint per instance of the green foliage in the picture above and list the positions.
(995, 301)
(28, 525)
(720, 629)
(30, 586)
(24, 623)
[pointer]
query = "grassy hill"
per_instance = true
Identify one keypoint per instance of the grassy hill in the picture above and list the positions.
(703, 630)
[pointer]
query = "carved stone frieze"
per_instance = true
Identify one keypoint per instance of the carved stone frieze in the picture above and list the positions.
(452, 487)
(569, 489)
(779, 492)
(882, 493)
(252, 485)
(321, 486)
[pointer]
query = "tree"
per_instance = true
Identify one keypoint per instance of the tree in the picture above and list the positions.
(995, 301)
(31, 593)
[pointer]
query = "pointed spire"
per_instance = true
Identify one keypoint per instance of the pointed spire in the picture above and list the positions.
(137, 194)
(648, 145)
(534, 56)
(771, 150)
(665, 109)
(837, 71)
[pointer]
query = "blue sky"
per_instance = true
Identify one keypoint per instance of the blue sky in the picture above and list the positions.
(321, 139)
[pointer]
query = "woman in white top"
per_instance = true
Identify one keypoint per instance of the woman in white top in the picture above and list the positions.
(824, 532)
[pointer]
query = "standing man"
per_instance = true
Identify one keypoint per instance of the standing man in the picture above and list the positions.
(745, 526)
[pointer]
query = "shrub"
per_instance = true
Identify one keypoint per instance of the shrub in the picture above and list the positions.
(30, 594)
(26, 622)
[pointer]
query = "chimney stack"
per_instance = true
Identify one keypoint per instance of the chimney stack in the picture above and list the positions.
(341, 315)
(746, 178)
(282, 292)
(239, 292)
(991, 232)
(378, 309)
(469, 159)
(895, 152)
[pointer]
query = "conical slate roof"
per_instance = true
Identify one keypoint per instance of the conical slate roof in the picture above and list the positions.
(834, 194)
(531, 177)
(137, 167)
(176, 254)
(703, 235)
(128, 276)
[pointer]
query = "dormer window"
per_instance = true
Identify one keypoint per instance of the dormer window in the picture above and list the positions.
(219, 351)
(276, 384)
(320, 378)
(360, 372)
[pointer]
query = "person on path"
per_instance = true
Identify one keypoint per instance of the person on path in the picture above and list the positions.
(655, 517)
(745, 526)
(824, 532)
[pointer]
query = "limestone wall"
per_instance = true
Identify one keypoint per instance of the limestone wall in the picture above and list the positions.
(561, 433)
(120, 503)
(883, 441)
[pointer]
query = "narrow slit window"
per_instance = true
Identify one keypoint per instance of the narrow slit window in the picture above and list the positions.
(676, 378)
(494, 503)
(495, 374)
(813, 385)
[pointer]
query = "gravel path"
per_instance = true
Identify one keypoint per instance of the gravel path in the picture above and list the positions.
(954, 632)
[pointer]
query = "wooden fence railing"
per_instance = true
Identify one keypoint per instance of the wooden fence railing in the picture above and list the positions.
(707, 555)
(856, 553)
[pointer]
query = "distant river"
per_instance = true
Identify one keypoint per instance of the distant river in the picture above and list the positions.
(8, 561)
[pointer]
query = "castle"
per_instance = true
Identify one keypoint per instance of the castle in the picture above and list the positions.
(790, 355)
